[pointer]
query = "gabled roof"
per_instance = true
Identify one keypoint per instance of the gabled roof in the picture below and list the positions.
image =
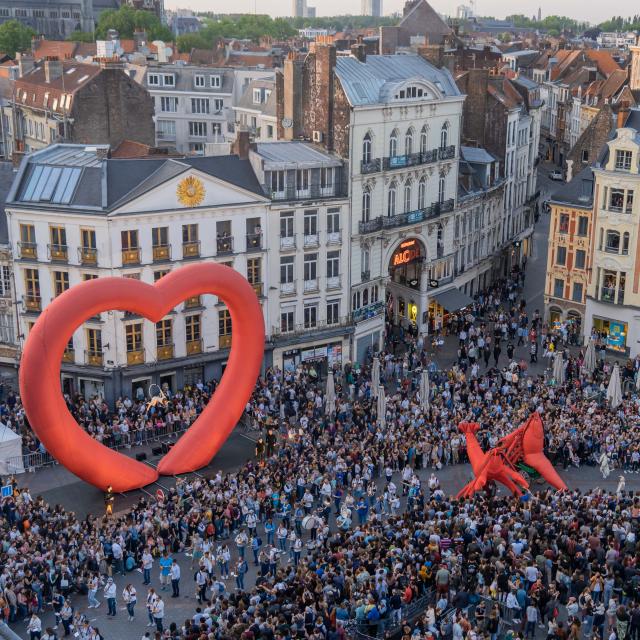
(33, 90)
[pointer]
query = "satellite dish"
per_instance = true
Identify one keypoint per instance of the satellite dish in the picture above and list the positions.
(287, 123)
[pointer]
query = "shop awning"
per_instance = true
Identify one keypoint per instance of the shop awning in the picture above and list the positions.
(452, 299)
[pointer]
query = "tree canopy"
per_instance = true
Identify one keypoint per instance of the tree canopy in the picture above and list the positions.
(14, 37)
(127, 20)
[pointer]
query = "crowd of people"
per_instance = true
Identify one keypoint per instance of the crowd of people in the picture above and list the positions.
(339, 525)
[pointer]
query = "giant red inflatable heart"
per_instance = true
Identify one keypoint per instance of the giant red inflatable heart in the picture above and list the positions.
(40, 386)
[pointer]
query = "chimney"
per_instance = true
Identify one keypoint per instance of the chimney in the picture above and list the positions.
(623, 114)
(241, 144)
(52, 69)
(432, 53)
(292, 98)
(25, 63)
(359, 51)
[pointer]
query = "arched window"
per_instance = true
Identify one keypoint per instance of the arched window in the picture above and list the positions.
(444, 135)
(407, 196)
(366, 149)
(391, 200)
(441, 189)
(365, 297)
(424, 139)
(408, 142)
(440, 234)
(393, 144)
(625, 243)
(366, 205)
(374, 293)
(422, 193)
(612, 243)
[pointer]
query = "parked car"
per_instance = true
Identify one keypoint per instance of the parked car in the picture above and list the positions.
(556, 174)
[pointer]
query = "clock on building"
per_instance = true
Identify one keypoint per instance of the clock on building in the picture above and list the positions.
(190, 191)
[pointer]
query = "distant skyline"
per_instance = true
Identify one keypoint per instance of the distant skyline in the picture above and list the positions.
(577, 9)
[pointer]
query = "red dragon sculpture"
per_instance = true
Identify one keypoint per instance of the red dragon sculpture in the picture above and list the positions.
(525, 444)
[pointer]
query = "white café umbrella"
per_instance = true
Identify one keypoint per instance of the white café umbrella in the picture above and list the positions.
(330, 394)
(375, 377)
(589, 363)
(614, 390)
(424, 389)
(558, 368)
(382, 407)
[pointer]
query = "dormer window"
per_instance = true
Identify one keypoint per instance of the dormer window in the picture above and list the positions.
(410, 92)
(216, 81)
(257, 96)
(198, 81)
(623, 160)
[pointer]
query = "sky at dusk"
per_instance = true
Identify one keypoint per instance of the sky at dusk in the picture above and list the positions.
(589, 10)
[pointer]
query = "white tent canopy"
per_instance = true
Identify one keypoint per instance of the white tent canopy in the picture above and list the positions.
(10, 451)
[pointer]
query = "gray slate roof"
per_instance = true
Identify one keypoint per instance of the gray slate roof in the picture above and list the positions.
(7, 174)
(578, 192)
(283, 155)
(267, 108)
(376, 80)
(184, 79)
(477, 154)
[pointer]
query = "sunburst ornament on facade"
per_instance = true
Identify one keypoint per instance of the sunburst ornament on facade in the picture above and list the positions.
(190, 191)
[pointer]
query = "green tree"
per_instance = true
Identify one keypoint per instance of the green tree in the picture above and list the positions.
(15, 37)
(127, 20)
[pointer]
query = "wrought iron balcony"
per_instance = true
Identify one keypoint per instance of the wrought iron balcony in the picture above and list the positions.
(224, 342)
(254, 241)
(191, 249)
(131, 256)
(58, 252)
(370, 311)
(165, 351)
(224, 245)
(28, 250)
(194, 347)
(407, 218)
(135, 357)
(88, 255)
(193, 301)
(93, 358)
(161, 252)
(32, 303)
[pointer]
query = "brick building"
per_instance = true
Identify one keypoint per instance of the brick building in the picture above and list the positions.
(75, 102)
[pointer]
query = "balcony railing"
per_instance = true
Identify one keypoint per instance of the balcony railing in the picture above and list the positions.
(135, 357)
(311, 240)
(193, 301)
(333, 283)
(287, 242)
(224, 342)
(405, 219)
(161, 252)
(58, 252)
(94, 358)
(287, 288)
(373, 166)
(88, 255)
(194, 347)
(334, 237)
(365, 276)
(301, 329)
(191, 249)
(28, 250)
(608, 294)
(69, 356)
(311, 285)
(224, 245)
(313, 191)
(254, 241)
(257, 287)
(32, 303)
(131, 256)
(370, 311)
(165, 351)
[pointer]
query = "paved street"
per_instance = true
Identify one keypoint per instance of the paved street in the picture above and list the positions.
(57, 485)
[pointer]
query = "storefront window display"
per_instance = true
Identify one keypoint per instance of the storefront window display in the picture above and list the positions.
(613, 332)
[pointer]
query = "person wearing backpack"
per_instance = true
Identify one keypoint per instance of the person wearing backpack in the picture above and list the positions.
(241, 569)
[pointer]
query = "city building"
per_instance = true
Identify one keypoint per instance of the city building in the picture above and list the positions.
(371, 8)
(569, 257)
(503, 117)
(299, 8)
(256, 110)
(613, 294)
(308, 266)
(276, 212)
(57, 19)
(616, 39)
(68, 101)
(193, 107)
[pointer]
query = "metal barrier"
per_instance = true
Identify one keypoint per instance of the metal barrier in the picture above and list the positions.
(38, 459)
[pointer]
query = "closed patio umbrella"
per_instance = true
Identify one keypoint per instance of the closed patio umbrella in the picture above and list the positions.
(382, 407)
(614, 390)
(330, 394)
(375, 376)
(558, 368)
(424, 389)
(589, 363)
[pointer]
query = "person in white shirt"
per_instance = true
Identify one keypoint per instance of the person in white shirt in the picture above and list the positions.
(110, 595)
(158, 614)
(152, 596)
(92, 589)
(34, 627)
(147, 565)
(130, 598)
(175, 579)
